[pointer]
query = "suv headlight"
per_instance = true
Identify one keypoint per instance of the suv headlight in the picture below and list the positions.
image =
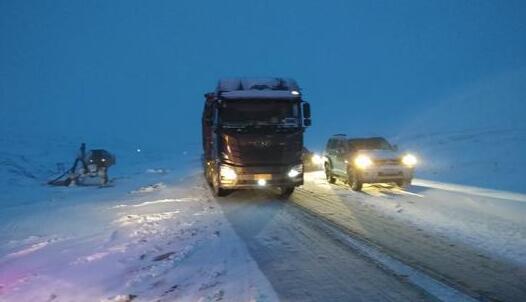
(295, 171)
(409, 160)
(227, 173)
(363, 161)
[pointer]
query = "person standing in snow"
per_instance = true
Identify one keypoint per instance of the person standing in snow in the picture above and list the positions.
(73, 175)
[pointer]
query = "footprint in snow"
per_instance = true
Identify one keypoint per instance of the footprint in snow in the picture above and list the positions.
(122, 298)
(163, 256)
(219, 295)
(157, 171)
(171, 289)
(150, 188)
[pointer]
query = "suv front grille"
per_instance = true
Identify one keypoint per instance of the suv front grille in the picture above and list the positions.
(382, 162)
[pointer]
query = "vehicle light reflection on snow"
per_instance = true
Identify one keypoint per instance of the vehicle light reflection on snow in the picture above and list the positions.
(316, 159)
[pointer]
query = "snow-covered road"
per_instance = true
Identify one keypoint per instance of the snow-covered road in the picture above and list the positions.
(157, 237)
(302, 261)
(471, 238)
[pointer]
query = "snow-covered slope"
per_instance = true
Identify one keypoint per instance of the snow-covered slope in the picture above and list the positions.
(477, 137)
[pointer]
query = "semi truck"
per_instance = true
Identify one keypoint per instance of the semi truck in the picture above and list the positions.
(253, 135)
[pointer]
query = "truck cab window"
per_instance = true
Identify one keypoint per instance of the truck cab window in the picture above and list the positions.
(254, 112)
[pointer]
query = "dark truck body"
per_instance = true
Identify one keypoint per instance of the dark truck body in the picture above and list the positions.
(253, 135)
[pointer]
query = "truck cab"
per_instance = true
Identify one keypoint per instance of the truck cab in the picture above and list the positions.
(253, 135)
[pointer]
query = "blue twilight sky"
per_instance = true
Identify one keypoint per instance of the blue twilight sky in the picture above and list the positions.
(137, 70)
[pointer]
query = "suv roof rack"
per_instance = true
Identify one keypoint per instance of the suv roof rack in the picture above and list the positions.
(340, 134)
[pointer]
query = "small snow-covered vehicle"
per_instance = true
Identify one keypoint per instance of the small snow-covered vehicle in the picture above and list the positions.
(367, 160)
(94, 163)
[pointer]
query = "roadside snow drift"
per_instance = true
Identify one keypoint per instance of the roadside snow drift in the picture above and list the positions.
(154, 236)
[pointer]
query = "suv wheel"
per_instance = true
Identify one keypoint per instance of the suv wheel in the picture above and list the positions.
(404, 183)
(328, 174)
(354, 182)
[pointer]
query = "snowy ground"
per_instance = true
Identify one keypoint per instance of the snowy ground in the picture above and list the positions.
(467, 235)
(489, 158)
(158, 235)
(161, 242)
(490, 220)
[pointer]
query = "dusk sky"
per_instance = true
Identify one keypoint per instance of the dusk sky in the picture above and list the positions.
(138, 69)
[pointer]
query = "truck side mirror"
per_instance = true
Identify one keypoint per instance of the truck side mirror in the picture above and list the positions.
(306, 114)
(306, 110)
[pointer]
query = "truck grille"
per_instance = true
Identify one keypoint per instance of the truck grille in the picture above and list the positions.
(253, 150)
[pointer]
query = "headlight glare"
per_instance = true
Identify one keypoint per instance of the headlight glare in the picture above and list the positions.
(227, 173)
(316, 159)
(409, 160)
(363, 161)
(295, 171)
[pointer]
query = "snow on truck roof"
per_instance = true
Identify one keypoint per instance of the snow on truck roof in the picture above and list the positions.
(247, 88)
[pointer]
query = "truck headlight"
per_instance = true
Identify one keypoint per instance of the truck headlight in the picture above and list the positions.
(409, 160)
(363, 161)
(295, 171)
(227, 173)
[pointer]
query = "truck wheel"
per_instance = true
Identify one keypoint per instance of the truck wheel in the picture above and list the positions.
(208, 177)
(328, 174)
(218, 191)
(354, 182)
(285, 192)
(222, 192)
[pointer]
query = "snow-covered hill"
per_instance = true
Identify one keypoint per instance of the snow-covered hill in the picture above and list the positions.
(477, 137)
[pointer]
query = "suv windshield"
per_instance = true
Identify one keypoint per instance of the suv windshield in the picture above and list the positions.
(369, 144)
(256, 113)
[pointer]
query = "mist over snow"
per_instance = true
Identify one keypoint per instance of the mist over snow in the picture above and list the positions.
(443, 79)
(128, 75)
(476, 136)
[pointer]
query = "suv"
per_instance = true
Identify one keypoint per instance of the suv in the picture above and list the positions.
(367, 160)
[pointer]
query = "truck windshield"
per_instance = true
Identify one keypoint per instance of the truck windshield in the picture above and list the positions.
(259, 113)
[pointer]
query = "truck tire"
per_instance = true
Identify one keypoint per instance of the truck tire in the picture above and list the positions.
(218, 191)
(222, 192)
(328, 174)
(354, 182)
(285, 192)
(208, 177)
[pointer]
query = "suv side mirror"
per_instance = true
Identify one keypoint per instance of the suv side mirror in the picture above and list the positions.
(395, 147)
(306, 114)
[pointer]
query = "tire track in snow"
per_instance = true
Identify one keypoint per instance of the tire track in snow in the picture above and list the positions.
(451, 263)
(437, 289)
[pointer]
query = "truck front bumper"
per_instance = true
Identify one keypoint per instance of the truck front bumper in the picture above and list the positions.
(262, 177)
